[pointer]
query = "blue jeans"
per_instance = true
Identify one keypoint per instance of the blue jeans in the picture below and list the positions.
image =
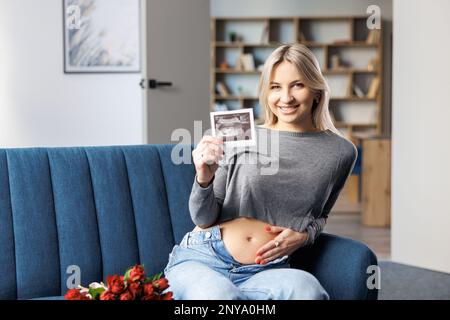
(201, 268)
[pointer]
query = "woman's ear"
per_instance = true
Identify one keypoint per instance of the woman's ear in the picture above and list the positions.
(317, 98)
(316, 101)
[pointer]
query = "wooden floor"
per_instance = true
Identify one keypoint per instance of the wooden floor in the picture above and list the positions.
(347, 224)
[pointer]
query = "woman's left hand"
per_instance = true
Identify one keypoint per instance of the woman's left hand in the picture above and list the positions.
(285, 243)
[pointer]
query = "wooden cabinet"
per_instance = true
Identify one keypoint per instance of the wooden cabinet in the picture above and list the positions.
(349, 53)
(376, 182)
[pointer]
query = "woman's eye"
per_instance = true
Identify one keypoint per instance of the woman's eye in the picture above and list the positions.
(298, 85)
(274, 87)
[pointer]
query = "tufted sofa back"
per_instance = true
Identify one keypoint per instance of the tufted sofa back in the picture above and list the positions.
(100, 208)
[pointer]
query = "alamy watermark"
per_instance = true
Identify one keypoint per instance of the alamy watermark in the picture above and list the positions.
(73, 17)
(374, 279)
(374, 20)
(74, 278)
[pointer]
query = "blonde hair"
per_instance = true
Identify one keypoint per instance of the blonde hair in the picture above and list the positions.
(308, 66)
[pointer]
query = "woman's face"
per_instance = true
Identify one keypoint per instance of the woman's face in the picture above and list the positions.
(289, 99)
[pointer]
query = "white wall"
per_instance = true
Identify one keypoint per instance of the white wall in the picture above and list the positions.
(421, 133)
(42, 106)
(260, 8)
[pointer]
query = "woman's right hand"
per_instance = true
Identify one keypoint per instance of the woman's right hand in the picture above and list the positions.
(206, 158)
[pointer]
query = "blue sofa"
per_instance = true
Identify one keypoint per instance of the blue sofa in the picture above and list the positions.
(107, 208)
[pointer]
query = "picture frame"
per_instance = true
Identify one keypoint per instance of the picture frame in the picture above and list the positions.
(101, 36)
(236, 127)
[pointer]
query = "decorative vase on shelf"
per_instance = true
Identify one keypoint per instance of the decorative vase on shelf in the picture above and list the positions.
(233, 36)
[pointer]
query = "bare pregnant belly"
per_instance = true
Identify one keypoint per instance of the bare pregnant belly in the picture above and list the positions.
(243, 237)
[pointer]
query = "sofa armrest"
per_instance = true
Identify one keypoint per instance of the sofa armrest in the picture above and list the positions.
(340, 265)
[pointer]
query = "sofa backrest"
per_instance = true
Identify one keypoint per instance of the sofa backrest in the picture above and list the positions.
(102, 209)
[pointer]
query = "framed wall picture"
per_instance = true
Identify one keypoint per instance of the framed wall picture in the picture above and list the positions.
(101, 36)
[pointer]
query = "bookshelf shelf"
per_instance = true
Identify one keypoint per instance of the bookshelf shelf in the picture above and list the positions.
(344, 124)
(343, 44)
(244, 45)
(348, 71)
(228, 44)
(237, 71)
(235, 98)
(353, 99)
(349, 54)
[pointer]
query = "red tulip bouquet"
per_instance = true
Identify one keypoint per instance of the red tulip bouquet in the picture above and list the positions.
(134, 285)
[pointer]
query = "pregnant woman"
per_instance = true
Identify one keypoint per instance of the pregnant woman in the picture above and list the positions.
(248, 223)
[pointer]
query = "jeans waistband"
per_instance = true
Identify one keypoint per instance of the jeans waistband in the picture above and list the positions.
(203, 236)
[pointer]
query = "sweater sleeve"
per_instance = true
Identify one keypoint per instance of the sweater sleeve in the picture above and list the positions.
(346, 163)
(205, 204)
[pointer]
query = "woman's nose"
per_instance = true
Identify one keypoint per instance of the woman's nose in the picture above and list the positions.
(286, 96)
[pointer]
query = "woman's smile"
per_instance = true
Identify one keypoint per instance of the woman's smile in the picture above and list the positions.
(288, 109)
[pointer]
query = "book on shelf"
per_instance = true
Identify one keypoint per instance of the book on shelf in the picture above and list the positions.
(222, 89)
(350, 89)
(358, 92)
(374, 87)
(373, 37)
(239, 66)
(265, 34)
(247, 62)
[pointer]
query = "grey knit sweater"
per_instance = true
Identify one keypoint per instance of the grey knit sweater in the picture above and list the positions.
(289, 179)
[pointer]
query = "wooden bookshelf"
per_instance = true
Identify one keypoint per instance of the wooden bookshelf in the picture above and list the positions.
(332, 39)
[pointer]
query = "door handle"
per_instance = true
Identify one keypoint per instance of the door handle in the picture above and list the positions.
(153, 84)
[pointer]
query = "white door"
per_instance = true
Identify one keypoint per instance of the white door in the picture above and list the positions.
(175, 45)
